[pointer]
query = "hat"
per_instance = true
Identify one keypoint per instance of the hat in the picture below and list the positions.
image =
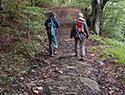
(80, 14)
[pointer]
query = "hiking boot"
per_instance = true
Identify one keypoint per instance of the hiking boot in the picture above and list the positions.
(51, 55)
(82, 58)
(75, 55)
(55, 51)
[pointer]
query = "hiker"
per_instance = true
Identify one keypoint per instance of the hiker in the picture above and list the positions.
(51, 25)
(80, 33)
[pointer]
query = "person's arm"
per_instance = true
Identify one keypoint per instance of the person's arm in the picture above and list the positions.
(72, 30)
(86, 29)
(55, 20)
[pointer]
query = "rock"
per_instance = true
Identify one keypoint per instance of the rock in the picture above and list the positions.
(22, 78)
(71, 67)
(35, 66)
(32, 79)
(50, 88)
(90, 83)
(61, 72)
(101, 63)
(54, 93)
(25, 93)
(64, 77)
(92, 55)
(33, 71)
(111, 92)
(66, 40)
(49, 80)
(40, 83)
(35, 91)
(63, 88)
(41, 80)
(39, 88)
(30, 84)
(82, 63)
(57, 69)
(71, 93)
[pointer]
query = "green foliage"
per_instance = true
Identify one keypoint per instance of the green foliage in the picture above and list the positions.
(113, 22)
(110, 48)
(41, 38)
(79, 3)
(2, 58)
(24, 20)
(29, 50)
(7, 30)
(97, 38)
(116, 49)
(32, 18)
(17, 39)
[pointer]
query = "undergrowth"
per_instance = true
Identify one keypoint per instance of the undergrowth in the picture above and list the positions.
(111, 52)
(21, 38)
(110, 49)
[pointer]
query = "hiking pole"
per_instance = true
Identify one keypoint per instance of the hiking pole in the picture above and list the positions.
(79, 36)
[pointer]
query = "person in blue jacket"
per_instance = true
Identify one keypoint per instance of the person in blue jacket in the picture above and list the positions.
(51, 25)
(80, 34)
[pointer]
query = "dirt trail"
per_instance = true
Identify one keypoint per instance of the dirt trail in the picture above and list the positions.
(66, 16)
(64, 74)
(74, 77)
(70, 73)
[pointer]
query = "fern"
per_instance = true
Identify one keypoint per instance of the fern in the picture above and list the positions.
(116, 49)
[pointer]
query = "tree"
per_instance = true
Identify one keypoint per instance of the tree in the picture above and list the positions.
(97, 12)
(1, 5)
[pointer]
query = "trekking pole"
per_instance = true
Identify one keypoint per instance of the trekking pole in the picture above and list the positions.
(78, 33)
(79, 36)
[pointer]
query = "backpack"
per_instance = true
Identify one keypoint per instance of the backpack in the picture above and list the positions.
(80, 30)
(79, 26)
(49, 24)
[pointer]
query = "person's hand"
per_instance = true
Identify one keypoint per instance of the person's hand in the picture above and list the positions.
(87, 36)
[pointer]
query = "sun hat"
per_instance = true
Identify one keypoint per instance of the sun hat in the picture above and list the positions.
(80, 14)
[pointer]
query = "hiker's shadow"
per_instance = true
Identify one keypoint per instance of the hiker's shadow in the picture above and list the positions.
(66, 57)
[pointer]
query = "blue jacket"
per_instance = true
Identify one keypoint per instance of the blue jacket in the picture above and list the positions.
(56, 22)
(85, 27)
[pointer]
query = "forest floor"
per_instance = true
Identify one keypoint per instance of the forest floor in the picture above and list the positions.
(65, 74)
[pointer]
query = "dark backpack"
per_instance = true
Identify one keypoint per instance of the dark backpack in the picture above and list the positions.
(49, 24)
(79, 26)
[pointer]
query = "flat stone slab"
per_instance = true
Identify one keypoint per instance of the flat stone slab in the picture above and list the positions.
(90, 83)
(64, 77)
(71, 67)
(63, 88)
(71, 93)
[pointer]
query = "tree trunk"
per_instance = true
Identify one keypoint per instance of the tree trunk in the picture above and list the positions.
(1, 5)
(96, 16)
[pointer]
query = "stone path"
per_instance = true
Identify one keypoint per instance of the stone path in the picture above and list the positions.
(65, 74)
(72, 78)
